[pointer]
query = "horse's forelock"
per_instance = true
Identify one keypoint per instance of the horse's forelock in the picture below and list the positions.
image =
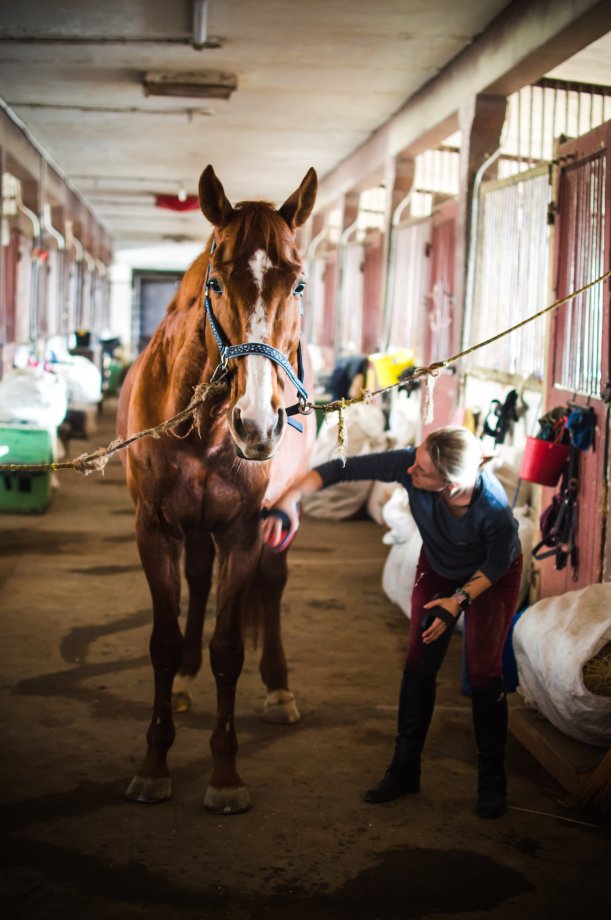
(256, 225)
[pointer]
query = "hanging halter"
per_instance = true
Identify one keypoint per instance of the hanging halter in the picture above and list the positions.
(259, 348)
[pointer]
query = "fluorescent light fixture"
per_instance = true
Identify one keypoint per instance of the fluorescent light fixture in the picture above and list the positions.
(203, 84)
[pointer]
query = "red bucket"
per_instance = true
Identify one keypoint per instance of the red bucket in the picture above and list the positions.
(543, 461)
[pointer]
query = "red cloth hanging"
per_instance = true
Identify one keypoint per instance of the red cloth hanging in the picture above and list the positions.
(173, 202)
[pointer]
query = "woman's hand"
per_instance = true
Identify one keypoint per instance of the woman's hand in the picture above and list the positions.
(438, 627)
(271, 527)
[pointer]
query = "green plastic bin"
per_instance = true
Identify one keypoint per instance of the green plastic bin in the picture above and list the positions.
(25, 492)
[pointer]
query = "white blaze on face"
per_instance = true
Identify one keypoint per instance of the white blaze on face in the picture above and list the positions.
(256, 403)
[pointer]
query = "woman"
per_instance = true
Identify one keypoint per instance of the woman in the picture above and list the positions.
(470, 561)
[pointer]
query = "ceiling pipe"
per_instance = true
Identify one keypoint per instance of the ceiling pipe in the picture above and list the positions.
(311, 258)
(31, 216)
(200, 24)
(473, 230)
(71, 240)
(390, 272)
(341, 270)
(314, 242)
(89, 261)
(48, 226)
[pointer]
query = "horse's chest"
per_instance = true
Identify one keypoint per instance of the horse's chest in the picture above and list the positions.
(200, 496)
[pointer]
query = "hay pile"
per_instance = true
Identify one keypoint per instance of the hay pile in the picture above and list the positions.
(597, 672)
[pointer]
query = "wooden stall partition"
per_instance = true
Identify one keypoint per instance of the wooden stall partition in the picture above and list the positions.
(578, 359)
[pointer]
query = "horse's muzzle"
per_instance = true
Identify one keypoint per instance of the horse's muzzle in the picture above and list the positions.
(254, 442)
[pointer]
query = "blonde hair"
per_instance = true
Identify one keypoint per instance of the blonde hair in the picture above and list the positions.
(455, 453)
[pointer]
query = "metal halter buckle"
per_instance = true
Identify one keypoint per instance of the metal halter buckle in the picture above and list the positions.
(304, 408)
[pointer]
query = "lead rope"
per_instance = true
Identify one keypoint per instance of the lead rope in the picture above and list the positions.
(96, 461)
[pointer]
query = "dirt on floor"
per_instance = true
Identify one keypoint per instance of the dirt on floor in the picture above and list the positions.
(76, 693)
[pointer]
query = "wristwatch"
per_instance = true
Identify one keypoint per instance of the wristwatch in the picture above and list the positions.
(464, 599)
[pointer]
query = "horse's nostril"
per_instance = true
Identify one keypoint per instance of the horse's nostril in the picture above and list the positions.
(280, 423)
(245, 428)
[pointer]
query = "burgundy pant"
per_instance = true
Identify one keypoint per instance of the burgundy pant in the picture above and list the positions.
(488, 620)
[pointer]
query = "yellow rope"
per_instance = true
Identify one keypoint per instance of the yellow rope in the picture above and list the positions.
(432, 370)
(96, 461)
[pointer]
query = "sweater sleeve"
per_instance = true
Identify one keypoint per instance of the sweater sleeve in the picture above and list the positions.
(386, 466)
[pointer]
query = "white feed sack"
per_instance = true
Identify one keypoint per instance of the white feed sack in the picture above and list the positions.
(83, 381)
(405, 544)
(552, 642)
(32, 396)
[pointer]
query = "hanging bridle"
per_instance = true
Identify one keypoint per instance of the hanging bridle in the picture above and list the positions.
(259, 348)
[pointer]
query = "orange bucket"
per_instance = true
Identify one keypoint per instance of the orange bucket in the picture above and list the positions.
(543, 461)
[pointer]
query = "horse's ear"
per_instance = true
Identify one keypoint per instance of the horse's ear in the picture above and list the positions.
(298, 207)
(212, 199)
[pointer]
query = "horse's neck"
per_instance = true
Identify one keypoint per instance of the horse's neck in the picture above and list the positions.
(188, 364)
(186, 359)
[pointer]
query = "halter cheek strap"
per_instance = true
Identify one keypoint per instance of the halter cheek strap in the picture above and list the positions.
(258, 348)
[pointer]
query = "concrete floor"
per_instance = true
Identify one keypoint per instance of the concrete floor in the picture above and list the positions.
(75, 703)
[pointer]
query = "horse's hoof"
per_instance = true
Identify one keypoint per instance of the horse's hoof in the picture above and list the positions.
(281, 708)
(149, 791)
(181, 701)
(181, 693)
(227, 800)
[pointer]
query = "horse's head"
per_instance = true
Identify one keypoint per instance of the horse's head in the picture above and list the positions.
(255, 282)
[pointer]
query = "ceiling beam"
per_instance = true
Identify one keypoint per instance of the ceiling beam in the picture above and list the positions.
(525, 41)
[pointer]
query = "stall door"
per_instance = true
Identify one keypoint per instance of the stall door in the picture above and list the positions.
(409, 281)
(153, 293)
(579, 342)
(443, 332)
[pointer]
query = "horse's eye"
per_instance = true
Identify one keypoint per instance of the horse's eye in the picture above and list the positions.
(300, 288)
(215, 286)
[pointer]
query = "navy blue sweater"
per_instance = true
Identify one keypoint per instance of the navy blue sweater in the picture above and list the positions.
(484, 538)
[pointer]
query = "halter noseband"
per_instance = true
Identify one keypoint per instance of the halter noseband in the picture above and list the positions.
(259, 348)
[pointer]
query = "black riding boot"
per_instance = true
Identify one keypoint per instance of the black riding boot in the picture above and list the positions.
(489, 707)
(416, 702)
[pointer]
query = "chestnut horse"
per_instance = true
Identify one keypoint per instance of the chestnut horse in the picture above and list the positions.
(201, 488)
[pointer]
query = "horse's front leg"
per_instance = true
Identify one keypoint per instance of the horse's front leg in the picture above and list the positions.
(280, 705)
(160, 556)
(199, 558)
(226, 793)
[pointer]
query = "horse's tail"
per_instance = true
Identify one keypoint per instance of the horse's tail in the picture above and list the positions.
(253, 607)
(264, 596)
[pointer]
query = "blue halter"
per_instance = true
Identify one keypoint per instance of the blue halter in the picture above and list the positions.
(259, 348)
